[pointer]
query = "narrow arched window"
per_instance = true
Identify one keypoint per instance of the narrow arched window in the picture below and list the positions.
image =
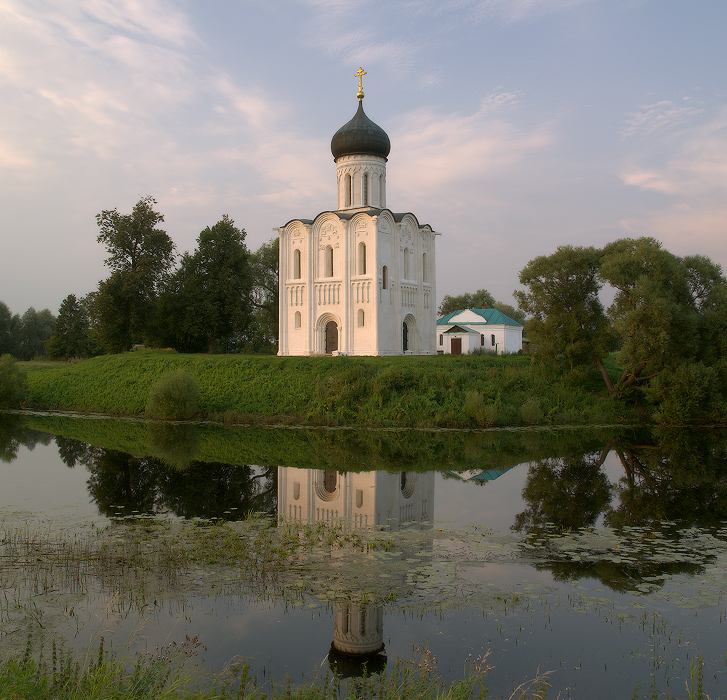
(382, 198)
(328, 261)
(441, 339)
(492, 338)
(349, 189)
(482, 339)
(330, 481)
(296, 264)
(385, 277)
(365, 189)
(424, 267)
(361, 258)
(360, 317)
(406, 263)
(298, 323)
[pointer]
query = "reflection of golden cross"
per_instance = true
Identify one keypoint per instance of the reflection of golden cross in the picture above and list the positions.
(360, 74)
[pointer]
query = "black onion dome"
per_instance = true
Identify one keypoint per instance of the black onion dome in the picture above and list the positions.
(360, 137)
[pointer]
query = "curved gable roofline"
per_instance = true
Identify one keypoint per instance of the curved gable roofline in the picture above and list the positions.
(305, 222)
(398, 217)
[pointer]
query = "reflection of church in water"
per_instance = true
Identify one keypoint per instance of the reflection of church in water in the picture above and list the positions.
(377, 499)
(357, 499)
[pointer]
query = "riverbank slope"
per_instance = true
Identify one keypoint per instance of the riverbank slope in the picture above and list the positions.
(414, 391)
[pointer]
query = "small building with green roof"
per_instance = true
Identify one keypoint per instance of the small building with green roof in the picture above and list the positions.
(464, 331)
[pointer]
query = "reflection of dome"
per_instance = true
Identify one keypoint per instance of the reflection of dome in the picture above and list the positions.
(347, 666)
(360, 136)
(358, 628)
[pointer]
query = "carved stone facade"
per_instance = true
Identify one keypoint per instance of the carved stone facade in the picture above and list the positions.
(359, 280)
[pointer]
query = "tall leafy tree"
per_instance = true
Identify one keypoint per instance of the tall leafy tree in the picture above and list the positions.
(208, 298)
(562, 298)
(139, 257)
(31, 333)
(71, 334)
(668, 315)
(264, 263)
(6, 328)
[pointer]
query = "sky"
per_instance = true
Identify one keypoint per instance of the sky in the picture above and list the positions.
(516, 126)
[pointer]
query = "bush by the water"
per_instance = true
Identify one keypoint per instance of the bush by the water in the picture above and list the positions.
(175, 395)
(13, 382)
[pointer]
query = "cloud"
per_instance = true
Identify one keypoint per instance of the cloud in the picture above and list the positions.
(692, 176)
(661, 117)
(377, 37)
(695, 167)
(438, 150)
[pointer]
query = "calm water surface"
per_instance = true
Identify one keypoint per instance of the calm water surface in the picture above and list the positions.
(599, 557)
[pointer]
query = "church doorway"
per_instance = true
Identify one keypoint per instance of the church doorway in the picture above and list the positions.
(331, 337)
(456, 346)
(405, 337)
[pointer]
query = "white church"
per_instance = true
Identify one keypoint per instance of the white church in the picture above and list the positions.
(359, 280)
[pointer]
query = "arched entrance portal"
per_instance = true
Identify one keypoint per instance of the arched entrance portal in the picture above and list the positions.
(409, 337)
(331, 340)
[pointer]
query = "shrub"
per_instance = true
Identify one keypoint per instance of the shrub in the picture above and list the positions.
(175, 395)
(475, 407)
(13, 382)
(531, 411)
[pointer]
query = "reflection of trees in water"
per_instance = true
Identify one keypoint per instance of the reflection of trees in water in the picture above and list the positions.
(568, 492)
(71, 451)
(14, 434)
(677, 476)
(208, 489)
(618, 576)
(122, 483)
(680, 476)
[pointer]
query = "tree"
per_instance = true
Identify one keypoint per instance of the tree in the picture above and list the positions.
(6, 328)
(264, 263)
(481, 299)
(71, 334)
(568, 318)
(31, 333)
(208, 298)
(140, 255)
(13, 382)
(668, 313)
(653, 311)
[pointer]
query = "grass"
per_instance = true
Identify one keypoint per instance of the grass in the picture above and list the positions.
(139, 557)
(438, 391)
(166, 676)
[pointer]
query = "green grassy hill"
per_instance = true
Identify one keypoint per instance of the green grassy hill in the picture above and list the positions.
(413, 391)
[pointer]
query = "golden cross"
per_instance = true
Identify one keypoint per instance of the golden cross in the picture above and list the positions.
(360, 74)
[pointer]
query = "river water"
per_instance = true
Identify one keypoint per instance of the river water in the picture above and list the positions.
(597, 557)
